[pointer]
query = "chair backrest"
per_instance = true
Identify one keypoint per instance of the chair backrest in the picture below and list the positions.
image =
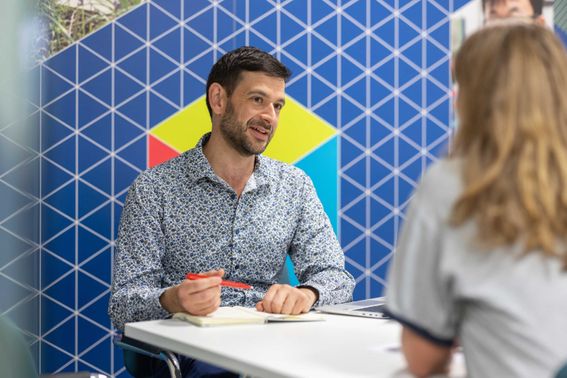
(562, 373)
(139, 358)
(138, 365)
(80, 374)
(15, 358)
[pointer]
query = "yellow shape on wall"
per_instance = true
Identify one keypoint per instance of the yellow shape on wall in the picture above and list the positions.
(299, 131)
(183, 130)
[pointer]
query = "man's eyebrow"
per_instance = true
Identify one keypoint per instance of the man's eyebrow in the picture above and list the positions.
(257, 92)
(260, 92)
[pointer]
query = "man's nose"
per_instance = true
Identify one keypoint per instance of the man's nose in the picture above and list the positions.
(270, 114)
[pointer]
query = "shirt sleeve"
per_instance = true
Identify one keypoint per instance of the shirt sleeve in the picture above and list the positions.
(137, 270)
(419, 294)
(316, 254)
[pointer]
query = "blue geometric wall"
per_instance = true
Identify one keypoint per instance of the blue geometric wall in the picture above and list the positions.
(378, 71)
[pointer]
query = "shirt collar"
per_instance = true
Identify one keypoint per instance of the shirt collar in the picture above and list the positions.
(199, 167)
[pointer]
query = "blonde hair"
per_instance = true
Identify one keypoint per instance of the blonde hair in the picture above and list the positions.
(512, 137)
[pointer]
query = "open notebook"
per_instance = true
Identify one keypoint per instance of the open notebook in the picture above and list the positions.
(243, 315)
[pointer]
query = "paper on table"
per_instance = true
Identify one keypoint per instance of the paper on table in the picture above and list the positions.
(243, 315)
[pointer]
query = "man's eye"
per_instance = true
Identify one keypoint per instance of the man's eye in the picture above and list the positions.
(258, 100)
(278, 106)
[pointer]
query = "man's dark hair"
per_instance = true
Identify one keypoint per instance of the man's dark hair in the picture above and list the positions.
(537, 5)
(226, 71)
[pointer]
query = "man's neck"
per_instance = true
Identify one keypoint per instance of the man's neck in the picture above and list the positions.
(229, 164)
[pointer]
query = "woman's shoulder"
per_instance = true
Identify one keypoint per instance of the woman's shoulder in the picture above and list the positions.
(441, 184)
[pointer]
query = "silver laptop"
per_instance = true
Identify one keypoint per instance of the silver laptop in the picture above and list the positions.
(370, 308)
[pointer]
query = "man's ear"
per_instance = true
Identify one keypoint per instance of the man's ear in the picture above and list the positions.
(217, 98)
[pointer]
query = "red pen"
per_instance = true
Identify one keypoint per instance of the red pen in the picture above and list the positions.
(237, 285)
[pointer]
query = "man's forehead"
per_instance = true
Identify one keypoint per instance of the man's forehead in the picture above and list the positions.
(522, 4)
(258, 75)
(250, 81)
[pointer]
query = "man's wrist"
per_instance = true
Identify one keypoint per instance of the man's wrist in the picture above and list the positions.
(167, 300)
(311, 291)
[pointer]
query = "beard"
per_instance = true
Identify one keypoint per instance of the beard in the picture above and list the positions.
(235, 134)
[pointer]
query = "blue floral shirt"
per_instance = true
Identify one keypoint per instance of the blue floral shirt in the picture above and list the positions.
(180, 217)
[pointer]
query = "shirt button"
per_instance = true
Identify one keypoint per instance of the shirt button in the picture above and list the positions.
(233, 196)
(236, 267)
(236, 232)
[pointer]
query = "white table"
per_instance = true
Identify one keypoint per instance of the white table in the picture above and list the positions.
(341, 346)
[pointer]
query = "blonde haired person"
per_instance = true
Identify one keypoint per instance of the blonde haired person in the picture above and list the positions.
(481, 259)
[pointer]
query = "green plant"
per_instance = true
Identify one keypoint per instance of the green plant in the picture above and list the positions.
(66, 23)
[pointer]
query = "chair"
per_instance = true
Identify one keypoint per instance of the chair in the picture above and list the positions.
(15, 357)
(562, 373)
(74, 375)
(138, 357)
(16, 360)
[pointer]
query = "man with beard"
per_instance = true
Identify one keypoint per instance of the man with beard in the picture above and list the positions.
(223, 210)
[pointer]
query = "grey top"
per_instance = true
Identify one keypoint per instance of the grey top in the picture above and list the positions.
(508, 310)
(180, 217)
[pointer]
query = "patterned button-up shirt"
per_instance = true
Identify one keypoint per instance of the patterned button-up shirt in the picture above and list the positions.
(180, 217)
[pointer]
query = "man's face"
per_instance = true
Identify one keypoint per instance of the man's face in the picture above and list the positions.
(504, 9)
(252, 113)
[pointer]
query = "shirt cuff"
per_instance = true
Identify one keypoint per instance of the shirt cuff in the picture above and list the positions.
(421, 331)
(161, 313)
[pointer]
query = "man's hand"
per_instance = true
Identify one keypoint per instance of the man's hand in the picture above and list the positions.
(284, 299)
(199, 297)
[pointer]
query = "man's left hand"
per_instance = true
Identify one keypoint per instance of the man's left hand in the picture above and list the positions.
(285, 299)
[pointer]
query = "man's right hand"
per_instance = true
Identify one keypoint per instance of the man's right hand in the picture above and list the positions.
(196, 297)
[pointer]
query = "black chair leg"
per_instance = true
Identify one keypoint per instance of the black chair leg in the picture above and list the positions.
(138, 357)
